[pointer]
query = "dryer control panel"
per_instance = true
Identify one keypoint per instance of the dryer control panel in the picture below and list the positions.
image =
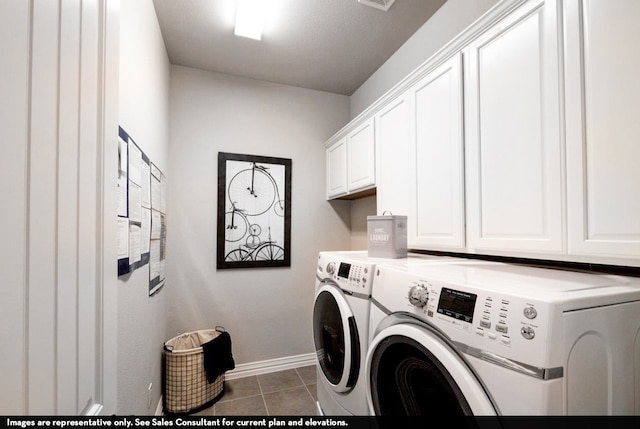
(350, 275)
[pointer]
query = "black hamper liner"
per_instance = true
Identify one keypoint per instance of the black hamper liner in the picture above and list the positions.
(185, 386)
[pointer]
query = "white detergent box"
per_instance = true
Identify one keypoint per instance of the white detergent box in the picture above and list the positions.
(387, 236)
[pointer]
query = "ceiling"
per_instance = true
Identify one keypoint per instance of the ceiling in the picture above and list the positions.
(326, 45)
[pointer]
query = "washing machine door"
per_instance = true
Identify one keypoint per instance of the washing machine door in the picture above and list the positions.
(336, 339)
(414, 371)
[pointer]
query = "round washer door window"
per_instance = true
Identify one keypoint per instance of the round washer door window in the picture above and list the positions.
(412, 371)
(336, 338)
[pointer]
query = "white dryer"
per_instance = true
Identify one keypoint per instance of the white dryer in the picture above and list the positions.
(340, 322)
(501, 339)
(344, 281)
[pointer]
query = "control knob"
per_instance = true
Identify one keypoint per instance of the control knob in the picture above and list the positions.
(528, 332)
(331, 267)
(418, 295)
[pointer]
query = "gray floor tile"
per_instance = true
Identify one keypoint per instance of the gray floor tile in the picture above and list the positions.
(289, 392)
(308, 374)
(251, 406)
(290, 402)
(313, 390)
(240, 388)
(205, 412)
(279, 380)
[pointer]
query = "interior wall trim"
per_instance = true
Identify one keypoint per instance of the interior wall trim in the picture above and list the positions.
(159, 408)
(271, 365)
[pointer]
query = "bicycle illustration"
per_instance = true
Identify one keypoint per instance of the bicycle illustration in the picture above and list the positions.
(258, 190)
(236, 224)
(253, 222)
(255, 250)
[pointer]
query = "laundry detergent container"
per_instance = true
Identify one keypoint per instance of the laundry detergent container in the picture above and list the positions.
(194, 365)
(387, 236)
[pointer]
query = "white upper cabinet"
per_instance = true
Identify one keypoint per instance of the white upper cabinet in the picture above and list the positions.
(337, 169)
(519, 138)
(602, 84)
(437, 192)
(513, 136)
(392, 148)
(361, 171)
(351, 159)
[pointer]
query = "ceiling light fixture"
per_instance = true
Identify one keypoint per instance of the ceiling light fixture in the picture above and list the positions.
(378, 4)
(250, 16)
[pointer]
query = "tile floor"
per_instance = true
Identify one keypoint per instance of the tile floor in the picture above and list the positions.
(285, 393)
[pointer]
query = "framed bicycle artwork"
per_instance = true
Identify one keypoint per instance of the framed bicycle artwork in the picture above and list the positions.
(254, 211)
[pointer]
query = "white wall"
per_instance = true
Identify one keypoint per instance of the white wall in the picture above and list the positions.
(452, 18)
(360, 209)
(267, 311)
(144, 104)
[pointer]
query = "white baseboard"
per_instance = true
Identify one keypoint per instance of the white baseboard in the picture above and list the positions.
(160, 407)
(261, 367)
(271, 365)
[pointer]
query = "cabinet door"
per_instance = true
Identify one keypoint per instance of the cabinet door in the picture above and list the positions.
(602, 125)
(392, 148)
(361, 157)
(513, 146)
(437, 215)
(337, 169)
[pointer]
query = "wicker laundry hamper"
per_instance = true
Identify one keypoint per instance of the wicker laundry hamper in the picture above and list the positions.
(186, 388)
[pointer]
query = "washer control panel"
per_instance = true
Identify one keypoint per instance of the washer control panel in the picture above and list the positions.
(488, 320)
(418, 295)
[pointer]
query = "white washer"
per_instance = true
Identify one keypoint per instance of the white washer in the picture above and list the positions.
(501, 339)
(341, 320)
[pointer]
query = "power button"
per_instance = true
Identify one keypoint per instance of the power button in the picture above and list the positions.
(530, 313)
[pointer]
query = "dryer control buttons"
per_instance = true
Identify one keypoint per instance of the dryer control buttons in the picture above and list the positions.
(530, 313)
(502, 328)
(418, 295)
(528, 332)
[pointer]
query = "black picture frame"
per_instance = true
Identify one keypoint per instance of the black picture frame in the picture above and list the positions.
(254, 211)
